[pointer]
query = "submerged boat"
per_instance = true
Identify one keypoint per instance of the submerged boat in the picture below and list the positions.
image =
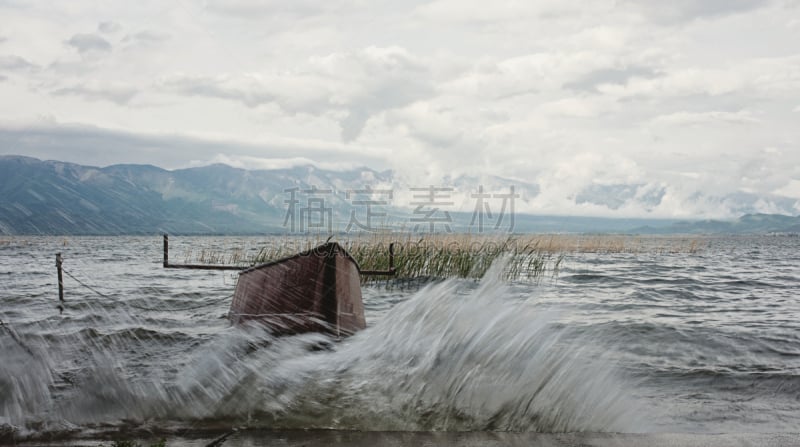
(318, 290)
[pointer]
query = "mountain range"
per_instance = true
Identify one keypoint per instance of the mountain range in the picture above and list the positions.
(55, 198)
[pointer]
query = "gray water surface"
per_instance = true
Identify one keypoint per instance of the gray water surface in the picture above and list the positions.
(647, 340)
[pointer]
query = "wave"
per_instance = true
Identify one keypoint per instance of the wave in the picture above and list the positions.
(450, 358)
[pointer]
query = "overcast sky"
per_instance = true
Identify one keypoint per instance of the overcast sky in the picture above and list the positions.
(681, 108)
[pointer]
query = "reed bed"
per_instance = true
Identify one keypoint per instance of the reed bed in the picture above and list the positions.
(456, 256)
(439, 256)
(435, 256)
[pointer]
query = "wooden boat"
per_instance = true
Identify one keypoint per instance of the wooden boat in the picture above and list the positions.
(318, 290)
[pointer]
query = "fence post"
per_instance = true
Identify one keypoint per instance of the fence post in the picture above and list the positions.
(166, 250)
(60, 284)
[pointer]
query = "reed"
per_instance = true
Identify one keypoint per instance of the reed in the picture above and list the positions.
(129, 443)
(437, 256)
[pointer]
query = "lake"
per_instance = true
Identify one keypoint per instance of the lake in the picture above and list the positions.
(650, 339)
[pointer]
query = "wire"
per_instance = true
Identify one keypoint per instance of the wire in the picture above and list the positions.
(160, 308)
(199, 306)
(85, 285)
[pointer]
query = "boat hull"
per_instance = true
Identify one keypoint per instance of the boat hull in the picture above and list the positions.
(315, 291)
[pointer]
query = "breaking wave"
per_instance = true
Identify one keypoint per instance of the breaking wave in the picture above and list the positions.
(455, 356)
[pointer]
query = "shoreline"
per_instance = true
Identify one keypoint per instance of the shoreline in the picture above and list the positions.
(319, 438)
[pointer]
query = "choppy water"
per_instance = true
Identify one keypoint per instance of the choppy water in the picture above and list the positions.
(654, 340)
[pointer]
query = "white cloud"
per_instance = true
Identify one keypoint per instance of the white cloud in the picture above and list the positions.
(685, 82)
(679, 11)
(255, 9)
(763, 75)
(525, 74)
(119, 93)
(357, 84)
(16, 66)
(245, 162)
(471, 11)
(790, 189)
(632, 99)
(108, 27)
(146, 38)
(706, 118)
(437, 126)
(590, 82)
(577, 107)
(47, 138)
(15, 63)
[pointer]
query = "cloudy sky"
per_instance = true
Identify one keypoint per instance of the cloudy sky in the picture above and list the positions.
(612, 107)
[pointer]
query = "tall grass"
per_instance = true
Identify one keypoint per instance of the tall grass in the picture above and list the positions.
(436, 256)
(456, 256)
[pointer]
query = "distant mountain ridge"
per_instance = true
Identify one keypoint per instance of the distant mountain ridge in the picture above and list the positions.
(749, 223)
(53, 197)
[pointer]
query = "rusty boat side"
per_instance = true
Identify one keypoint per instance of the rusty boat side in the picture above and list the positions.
(318, 290)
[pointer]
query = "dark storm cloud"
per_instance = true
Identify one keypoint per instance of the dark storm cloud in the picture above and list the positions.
(102, 147)
(85, 43)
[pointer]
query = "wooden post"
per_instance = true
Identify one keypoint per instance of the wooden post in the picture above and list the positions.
(167, 265)
(166, 250)
(60, 284)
